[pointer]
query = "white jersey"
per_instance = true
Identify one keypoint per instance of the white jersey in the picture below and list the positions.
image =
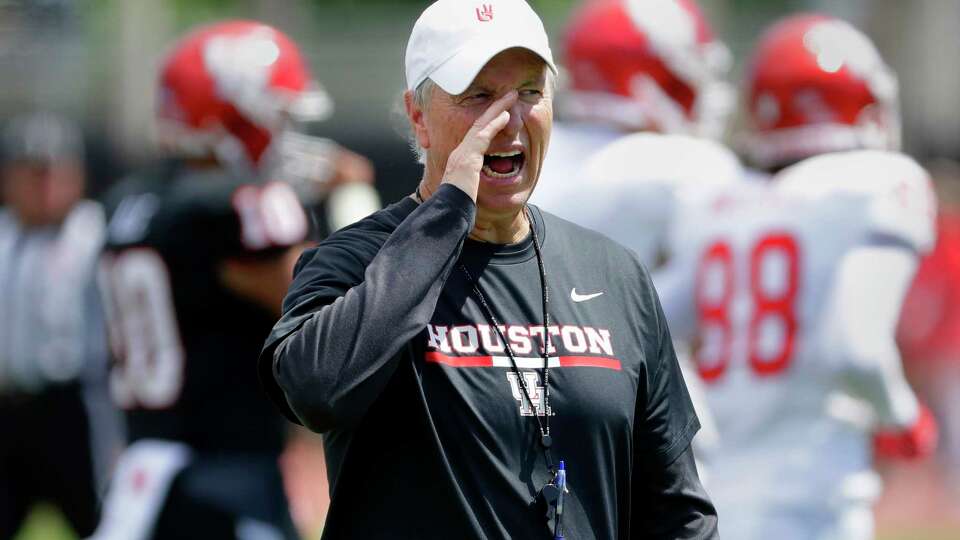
(800, 365)
(630, 188)
(571, 145)
(49, 322)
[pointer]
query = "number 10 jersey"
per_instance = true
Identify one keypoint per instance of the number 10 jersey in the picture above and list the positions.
(185, 346)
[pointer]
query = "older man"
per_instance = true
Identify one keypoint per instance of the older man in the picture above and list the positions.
(459, 398)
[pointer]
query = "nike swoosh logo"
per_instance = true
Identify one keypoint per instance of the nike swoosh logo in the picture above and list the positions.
(582, 297)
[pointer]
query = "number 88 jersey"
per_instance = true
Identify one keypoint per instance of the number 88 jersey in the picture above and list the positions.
(754, 277)
(184, 346)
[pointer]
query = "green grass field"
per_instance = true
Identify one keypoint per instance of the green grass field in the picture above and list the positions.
(45, 523)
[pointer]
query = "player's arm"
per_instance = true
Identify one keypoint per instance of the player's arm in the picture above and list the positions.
(262, 280)
(893, 196)
(869, 288)
(352, 196)
(329, 177)
(349, 203)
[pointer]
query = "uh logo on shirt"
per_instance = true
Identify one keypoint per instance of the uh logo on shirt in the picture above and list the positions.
(479, 346)
(532, 380)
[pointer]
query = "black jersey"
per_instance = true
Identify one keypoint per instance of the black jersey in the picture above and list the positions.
(185, 346)
(386, 348)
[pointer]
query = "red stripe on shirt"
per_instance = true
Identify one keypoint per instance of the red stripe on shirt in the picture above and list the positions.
(487, 361)
(590, 361)
(459, 361)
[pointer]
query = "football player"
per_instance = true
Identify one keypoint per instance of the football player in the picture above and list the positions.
(643, 102)
(792, 289)
(200, 253)
(650, 66)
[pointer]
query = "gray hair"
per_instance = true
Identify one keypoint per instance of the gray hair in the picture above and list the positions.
(421, 96)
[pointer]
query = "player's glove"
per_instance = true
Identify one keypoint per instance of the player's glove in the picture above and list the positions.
(915, 442)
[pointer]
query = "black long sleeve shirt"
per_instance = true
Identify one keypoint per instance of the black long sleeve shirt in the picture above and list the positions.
(385, 349)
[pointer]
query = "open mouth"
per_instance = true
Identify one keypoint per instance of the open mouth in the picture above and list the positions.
(503, 164)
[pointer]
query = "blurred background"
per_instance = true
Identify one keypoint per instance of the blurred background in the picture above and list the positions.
(95, 61)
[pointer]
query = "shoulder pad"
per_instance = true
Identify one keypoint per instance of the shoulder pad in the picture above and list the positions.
(635, 185)
(894, 189)
(676, 161)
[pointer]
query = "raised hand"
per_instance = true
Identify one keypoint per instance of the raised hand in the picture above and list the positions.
(466, 160)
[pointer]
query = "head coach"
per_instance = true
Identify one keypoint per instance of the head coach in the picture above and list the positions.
(480, 368)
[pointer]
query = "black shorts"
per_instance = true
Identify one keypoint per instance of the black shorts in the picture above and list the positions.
(45, 456)
(225, 498)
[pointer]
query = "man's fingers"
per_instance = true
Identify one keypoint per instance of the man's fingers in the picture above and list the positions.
(494, 111)
(493, 127)
(466, 160)
(494, 119)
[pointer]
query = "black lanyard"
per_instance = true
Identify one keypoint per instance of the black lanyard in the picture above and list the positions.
(544, 426)
(552, 493)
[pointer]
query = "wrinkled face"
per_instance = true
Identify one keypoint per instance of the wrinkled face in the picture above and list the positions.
(512, 163)
(41, 193)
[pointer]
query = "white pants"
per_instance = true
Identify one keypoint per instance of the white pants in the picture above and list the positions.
(139, 488)
(853, 522)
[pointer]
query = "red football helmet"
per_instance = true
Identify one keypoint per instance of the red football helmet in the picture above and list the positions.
(816, 84)
(646, 65)
(229, 89)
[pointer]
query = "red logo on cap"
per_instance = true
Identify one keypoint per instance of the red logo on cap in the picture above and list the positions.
(485, 13)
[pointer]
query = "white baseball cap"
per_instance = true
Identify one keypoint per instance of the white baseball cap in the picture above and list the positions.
(453, 39)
